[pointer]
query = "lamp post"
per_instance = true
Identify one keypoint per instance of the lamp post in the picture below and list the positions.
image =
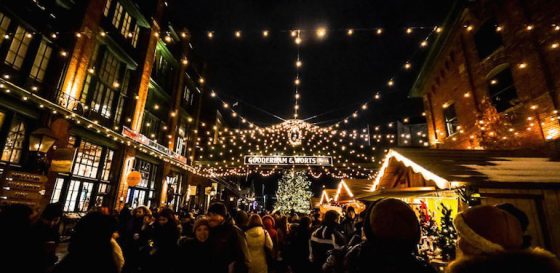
(40, 142)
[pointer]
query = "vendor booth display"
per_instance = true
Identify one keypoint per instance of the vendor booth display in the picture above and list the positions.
(440, 183)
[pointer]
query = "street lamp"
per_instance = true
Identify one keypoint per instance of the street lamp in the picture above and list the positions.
(40, 142)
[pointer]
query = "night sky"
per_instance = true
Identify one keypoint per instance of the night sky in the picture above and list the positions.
(339, 72)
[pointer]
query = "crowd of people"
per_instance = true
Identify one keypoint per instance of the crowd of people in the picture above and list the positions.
(383, 238)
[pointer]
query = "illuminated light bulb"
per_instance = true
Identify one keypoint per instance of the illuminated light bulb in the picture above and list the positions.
(297, 81)
(445, 105)
(424, 43)
(469, 27)
(238, 34)
(91, 70)
(407, 66)
(201, 80)
(53, 35)
(297, 96)
(522, 65)
(355, 115)
(467, 95)
(103, 33)
(183, 34)
(377, 96)
(116, 84)
(298, 40)
(494, 82)
(554, 45)
(156, 34)
(156, 107)
(78, 35)
(534, 107)
(499, 28)
(529, 27)
(226, 105)
(350, 32)
(409, 30)
(184, 61)
(265, 33)
(439, 29)
(556, 27)
(390, 83)
(212, 94)
(210, 34)
(296, 107)
(6, 36)
(364, 107)
(168, 39)
(34, 88)
(299, 63)
(321, 32)
(379, 31)
(63, 53)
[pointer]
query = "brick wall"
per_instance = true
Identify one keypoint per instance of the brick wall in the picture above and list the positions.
(529, 36)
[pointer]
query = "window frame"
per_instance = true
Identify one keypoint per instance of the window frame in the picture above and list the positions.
(41, 61)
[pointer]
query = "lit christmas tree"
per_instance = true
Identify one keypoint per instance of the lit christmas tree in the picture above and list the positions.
(293, 192)
(447, 236)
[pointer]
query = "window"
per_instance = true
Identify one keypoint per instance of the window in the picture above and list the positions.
(107, 8)
(107, 165)
(18, 48)
(117, 15)
(144, 191)
(487, 39)
(14, 142)
(57, 190)
(104, 93)
(135, 35)
(122, 98)
(88, 160)
(450, 117)
(126, 24)
(151, 125)
(502, 89)
(41, 61)
(4, 23)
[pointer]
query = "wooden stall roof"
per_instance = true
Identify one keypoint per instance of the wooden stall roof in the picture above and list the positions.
(478, 166)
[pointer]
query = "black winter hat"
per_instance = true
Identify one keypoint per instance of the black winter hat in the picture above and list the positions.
(218, 208)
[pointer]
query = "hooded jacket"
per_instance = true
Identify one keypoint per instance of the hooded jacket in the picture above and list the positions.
(257, 240)
(228, 245)
(534, 261)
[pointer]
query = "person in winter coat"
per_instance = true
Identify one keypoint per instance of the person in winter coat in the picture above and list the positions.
(297, 251)
(348, 225)
(270, 226)
(91, 249)
(134, 237)
(259, 243)
(492, 240)
(325, 238)
(392, 233)
(165, 235)
(194, 253)
(228, 246)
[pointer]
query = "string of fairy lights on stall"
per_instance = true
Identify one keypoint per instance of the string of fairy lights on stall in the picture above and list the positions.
(7, 86)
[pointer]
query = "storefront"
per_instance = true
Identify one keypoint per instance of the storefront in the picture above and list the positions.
(91, 178)
(145, 193)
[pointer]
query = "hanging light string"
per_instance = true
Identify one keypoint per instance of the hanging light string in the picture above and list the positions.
(297, 81)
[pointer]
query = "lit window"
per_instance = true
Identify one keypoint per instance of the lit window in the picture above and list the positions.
(4, 23)
(87, 160)
(57, 190)
(107, 8)
(104, 93)
(41, 61)
(451, 122)
(117, 16)
(18, 48)
(135, 35)
(14, 142)
(107, 165)
(126, 24)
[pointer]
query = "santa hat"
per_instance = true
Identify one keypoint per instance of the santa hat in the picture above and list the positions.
(487, 229)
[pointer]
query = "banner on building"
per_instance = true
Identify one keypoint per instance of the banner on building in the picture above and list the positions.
(288, 160)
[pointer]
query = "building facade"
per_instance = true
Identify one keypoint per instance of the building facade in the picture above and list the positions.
(90, 92)
(488, 81)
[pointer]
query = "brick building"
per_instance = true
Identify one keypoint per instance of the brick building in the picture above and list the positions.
(91, 91)
(488, 81)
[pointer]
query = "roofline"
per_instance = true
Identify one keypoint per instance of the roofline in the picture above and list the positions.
(451, 20)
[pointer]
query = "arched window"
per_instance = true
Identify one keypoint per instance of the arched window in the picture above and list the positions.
(501, 88)
(487, 39)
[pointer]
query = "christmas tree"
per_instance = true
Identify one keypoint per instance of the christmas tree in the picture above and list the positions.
(293, 192)
(447, 235)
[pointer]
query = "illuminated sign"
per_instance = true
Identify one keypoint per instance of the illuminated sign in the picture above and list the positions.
(288, 160)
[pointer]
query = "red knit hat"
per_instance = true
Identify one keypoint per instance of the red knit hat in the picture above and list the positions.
(487, 229)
